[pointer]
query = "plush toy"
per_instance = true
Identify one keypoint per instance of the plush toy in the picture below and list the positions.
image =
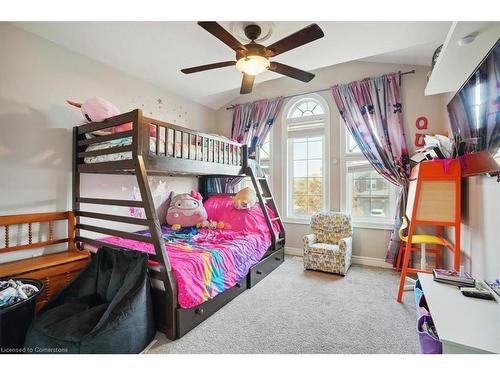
(186, 210)
(213, 224)
(245, 199)
(99, 109)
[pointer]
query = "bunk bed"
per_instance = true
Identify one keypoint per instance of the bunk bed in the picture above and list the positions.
(150, 147)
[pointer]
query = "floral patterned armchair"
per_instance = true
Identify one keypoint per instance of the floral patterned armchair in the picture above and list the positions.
(329, 248)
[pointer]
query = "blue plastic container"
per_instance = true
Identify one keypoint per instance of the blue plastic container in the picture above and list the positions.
(418, 293)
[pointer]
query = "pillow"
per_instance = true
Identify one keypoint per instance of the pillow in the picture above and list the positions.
(221, 208)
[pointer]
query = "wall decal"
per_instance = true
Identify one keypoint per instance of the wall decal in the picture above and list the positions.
(421, 124)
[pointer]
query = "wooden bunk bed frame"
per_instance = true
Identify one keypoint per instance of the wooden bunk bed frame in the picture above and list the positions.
(205, 156)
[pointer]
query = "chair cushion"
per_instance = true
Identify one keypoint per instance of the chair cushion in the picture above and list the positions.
(323, 248)
(331, 227)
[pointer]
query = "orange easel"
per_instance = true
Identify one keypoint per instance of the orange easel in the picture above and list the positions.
(433, 200)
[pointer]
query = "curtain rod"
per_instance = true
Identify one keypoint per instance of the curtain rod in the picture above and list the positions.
(232, 106)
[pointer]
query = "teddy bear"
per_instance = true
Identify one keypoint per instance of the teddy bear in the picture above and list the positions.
(245, 199)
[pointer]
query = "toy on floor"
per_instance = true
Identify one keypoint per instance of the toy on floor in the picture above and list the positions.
(245, 199)
(186, 210)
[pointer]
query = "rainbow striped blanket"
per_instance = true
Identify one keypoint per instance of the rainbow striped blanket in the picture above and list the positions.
(206, 263)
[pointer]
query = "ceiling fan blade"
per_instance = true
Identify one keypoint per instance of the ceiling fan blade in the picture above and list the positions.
(301, 37)
(247, 84)
(207, 67)
(290, 71)
(222, 34)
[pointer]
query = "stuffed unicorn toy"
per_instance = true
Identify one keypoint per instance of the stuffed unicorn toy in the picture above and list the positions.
(98, 109)
(186, 210)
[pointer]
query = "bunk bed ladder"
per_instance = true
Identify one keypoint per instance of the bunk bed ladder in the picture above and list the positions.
(265, 196)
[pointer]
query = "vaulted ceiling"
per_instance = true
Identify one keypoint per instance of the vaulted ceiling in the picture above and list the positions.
(156, 51)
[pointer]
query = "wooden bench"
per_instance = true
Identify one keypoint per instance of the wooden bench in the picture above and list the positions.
(55, 270)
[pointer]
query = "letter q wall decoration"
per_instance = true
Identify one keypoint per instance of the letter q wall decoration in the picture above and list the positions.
(421, 124)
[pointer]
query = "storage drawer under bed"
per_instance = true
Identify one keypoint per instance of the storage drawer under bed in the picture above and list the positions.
(265, 267)
(187, 319)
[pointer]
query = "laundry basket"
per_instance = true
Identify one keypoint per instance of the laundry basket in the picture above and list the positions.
(15, 319)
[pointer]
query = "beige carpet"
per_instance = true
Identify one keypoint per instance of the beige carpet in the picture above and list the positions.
(297, 311)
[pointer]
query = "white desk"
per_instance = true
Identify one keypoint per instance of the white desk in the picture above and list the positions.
(464, 324)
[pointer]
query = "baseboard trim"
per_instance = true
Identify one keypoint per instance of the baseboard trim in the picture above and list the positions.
(294, 251)
(369, 261)
(356, 259)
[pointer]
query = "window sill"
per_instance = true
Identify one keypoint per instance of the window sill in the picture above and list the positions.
(355, 224)
(372, 225)
(296, 221)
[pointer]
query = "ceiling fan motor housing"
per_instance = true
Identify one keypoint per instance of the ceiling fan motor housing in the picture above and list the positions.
(252, 32)
(252, 49)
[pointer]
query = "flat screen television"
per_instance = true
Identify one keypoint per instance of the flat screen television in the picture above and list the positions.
(475, 109)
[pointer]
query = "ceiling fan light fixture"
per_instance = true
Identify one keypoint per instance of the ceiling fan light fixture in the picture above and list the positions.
(252, 65)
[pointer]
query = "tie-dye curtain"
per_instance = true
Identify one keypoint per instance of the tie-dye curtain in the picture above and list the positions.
(252, 122)
(371, 109)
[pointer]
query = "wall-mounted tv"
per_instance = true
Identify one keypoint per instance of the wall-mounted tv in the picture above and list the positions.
(475, 109)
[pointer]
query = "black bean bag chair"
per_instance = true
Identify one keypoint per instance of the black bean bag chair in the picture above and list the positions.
(106, 309)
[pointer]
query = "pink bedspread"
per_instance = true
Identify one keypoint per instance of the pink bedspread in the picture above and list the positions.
(211, 261)
(207, 263)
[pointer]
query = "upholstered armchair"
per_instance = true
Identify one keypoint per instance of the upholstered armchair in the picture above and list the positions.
(329, 247)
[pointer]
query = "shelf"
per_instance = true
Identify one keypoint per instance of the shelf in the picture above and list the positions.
(456, 63)
(41, 262)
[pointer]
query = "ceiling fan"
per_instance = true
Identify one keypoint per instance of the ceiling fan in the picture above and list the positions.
(253, 58)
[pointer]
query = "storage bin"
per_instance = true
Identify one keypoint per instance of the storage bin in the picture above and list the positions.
(418, 293)
(15, 319)
(422, 307)
(427, 343)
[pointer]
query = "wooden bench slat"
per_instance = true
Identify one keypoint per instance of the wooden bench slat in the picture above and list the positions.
(41, 262)
(34, 245)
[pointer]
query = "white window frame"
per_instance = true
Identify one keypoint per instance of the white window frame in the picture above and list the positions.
(287, 162)
(345, 191)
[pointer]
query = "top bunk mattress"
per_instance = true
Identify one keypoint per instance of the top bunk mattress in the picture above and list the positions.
(206, 263)
(185, 150)
(119, 155)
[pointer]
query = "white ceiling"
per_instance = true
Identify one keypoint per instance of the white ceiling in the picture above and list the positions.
(156, 51)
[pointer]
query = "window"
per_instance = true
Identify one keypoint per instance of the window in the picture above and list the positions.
(305, 132)
(367, 196)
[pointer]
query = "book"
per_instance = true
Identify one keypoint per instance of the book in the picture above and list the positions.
(453, 277)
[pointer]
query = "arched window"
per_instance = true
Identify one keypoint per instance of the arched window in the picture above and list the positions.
(305, 121)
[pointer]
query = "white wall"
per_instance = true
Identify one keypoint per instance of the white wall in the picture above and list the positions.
(36, 77)
(369, 243)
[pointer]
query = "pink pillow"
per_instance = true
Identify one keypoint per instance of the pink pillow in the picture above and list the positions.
(220, 208)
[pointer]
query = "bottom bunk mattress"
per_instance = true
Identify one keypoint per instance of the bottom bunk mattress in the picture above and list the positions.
(205, 262)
